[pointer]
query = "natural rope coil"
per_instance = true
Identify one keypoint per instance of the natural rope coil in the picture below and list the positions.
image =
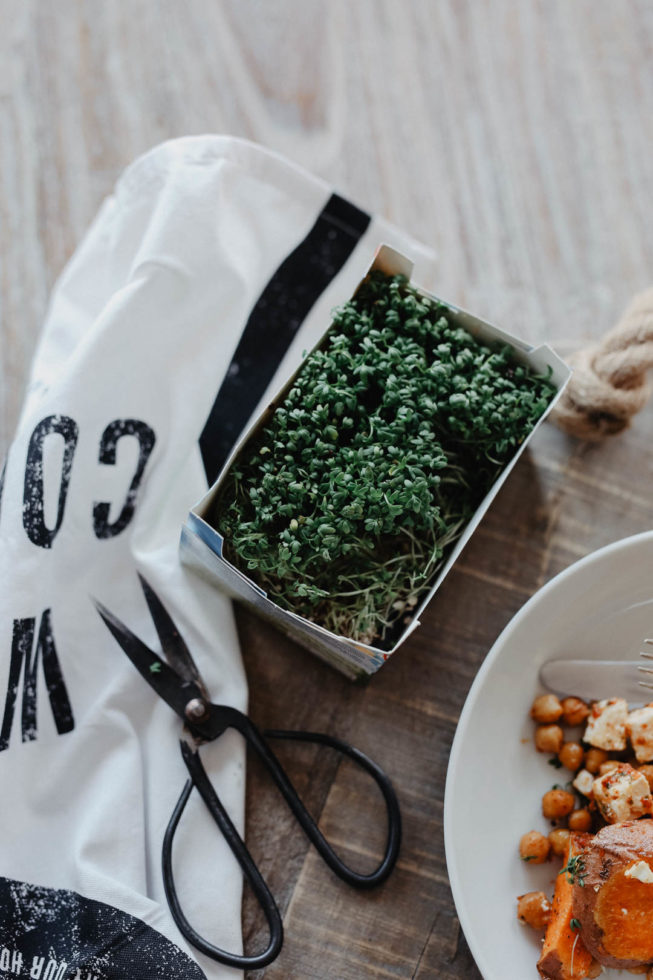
(608, 385)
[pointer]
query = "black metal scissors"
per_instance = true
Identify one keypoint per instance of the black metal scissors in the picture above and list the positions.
(179, 683)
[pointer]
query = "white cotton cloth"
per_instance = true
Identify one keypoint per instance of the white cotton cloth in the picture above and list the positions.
(140, 334)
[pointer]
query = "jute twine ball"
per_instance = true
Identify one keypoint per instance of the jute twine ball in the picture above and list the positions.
(609, 383)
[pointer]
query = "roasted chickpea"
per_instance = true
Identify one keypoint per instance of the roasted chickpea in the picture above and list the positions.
(574, 711)
(608, 766)
(580, 820)
(571, 755)
(546, 709)
(648, 772)
(549, 738)
(534, 847)
(534, 909)
(557, 803)
(559, 840)
(594, 759)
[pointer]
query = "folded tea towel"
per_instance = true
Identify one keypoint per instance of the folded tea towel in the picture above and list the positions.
(204, 277)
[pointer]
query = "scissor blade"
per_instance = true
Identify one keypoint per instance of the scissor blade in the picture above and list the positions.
(174, 690)
(172, 643)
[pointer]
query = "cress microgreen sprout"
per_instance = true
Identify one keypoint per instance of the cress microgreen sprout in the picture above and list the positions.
(345, 503)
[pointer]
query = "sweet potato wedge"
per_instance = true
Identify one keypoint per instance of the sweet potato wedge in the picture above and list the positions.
(564, 956)
(615, 906)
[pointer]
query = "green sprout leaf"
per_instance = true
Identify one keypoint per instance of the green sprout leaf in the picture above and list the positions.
(575, 870)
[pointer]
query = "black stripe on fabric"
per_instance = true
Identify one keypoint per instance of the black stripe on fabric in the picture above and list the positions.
(275, 319)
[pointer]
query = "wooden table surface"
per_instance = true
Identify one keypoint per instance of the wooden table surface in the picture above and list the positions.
(514, 138)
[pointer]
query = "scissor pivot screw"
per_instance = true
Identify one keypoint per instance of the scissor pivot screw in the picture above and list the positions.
(196, 709)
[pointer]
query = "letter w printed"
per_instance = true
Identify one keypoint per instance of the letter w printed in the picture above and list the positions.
(25, 656)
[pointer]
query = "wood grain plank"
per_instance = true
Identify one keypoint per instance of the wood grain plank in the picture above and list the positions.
(513, 138)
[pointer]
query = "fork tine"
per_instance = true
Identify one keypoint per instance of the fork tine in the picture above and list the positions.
(646, 655)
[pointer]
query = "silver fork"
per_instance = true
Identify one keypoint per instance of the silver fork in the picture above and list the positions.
(648, 670)
(597, 679)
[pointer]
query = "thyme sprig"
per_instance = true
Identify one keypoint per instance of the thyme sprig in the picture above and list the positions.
(575, 869)
(343, 506)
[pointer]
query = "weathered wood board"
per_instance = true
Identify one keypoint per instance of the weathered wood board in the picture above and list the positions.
(515, 139)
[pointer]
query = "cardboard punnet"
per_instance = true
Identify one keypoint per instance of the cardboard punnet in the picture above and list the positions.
(202, 545)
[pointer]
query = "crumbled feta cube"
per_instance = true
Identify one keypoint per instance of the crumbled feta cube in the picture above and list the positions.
(583, 782)
(606, 725)
(639, 727)
(640, 870)
(623, 794)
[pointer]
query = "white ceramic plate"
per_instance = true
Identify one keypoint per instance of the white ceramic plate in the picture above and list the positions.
(601, 608)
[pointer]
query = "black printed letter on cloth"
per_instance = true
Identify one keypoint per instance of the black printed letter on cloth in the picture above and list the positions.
(25, 658)
(33, 496)
(108, 450)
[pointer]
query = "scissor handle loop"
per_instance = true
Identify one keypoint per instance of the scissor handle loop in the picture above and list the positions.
(221, 717)
(200, 780)
(303, 817)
